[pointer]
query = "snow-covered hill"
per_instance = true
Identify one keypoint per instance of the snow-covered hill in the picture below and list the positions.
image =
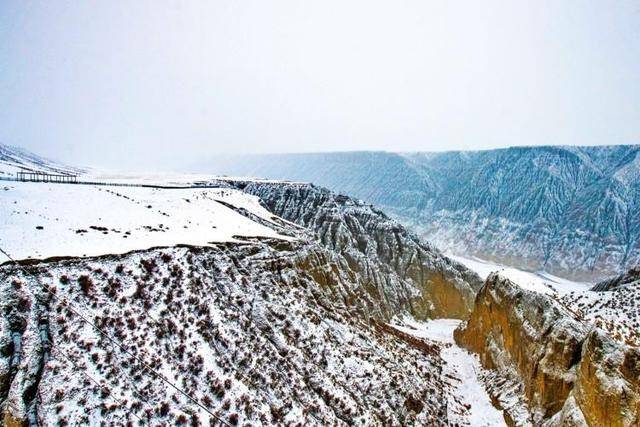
(40, 220)
(265, 304)
(612, 305)
(14, 159)
(240, 328)
(570, 211)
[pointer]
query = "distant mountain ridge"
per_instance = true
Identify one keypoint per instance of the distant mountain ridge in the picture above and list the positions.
(569, 210)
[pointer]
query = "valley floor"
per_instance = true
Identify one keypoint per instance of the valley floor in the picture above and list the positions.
(468, 402)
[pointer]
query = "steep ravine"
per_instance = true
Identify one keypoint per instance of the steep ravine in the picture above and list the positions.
(377, 248)
(567, 371)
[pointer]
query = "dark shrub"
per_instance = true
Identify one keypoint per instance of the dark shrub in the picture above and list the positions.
(86, 284)
(233, 419)
(164, 409)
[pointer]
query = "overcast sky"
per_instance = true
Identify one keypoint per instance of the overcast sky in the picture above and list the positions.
(157, 83)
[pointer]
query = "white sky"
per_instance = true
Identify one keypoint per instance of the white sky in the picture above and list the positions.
(150, 83)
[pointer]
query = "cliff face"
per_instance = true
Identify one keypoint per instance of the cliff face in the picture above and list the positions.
(569, 373)
(608, 385)
(378, 249)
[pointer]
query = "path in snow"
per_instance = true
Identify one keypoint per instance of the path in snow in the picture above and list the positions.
(461, 371)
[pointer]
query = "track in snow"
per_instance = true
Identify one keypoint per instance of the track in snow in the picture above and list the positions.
(469, 403)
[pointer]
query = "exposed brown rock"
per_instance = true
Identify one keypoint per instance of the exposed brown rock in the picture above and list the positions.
(378, 249)
(608, 386)
(570, 375)
(8, 420)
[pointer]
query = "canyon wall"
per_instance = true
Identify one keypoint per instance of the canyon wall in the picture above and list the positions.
(571, 211)
(377, 248)
(568, 372)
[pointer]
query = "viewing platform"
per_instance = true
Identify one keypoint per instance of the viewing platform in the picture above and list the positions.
(35, 176)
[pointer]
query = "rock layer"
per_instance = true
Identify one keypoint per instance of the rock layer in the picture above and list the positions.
(569, 372)
(376, 248)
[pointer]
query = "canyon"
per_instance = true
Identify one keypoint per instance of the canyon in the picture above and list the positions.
(232, 301)
(570, 211)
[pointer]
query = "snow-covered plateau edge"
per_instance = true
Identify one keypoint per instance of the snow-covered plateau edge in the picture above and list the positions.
(41, 220)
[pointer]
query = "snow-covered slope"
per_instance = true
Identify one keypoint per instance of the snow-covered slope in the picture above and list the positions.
(39, 220)
(570, 211)
(613, 305)
(266, 305)
(246, 330)
(13, 159)
(627, 278)
(538, 282)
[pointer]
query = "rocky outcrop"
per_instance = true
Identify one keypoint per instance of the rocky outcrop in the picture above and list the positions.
(570, 373)
(617, 282)
(514, 330)
(607, 389)
(377, 248)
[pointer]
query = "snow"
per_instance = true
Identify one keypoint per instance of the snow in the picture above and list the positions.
(616, 311)
(15, 159)
(86, 220)
(462, 369)
(541, 282)
(262, 341)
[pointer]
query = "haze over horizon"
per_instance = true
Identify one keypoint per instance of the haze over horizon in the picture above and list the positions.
(153, 84)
